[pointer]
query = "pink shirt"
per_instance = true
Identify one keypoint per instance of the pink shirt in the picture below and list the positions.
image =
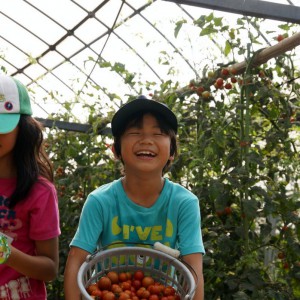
(34, 218)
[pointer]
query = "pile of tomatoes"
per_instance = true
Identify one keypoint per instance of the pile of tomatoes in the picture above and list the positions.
(130, 286)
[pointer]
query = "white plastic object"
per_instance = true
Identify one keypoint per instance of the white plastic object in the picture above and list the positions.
(163, 248)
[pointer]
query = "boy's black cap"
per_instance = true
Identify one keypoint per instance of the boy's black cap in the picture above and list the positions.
(141, 104)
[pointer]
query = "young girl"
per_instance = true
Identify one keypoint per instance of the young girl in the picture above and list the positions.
(29, 217)
(143, 206)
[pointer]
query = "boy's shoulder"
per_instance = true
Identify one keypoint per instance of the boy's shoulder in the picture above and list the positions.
(106, 188)
(178, 188)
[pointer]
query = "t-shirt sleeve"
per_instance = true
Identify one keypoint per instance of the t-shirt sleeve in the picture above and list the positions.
(189, 224)
(44, 215)
(90, 226)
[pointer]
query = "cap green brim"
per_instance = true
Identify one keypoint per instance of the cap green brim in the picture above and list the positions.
(8, 122)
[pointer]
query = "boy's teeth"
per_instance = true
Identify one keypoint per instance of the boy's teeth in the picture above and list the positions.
(145, 153)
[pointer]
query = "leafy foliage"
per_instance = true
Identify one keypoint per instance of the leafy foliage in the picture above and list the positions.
(239, 154)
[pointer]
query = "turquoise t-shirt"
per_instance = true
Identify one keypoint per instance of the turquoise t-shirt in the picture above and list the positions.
(109, 216)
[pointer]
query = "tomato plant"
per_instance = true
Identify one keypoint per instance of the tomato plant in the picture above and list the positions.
(239, 153)
(225, 72)
(219, 82)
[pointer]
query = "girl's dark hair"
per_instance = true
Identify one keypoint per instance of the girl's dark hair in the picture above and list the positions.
(30, 158)
(137, 120)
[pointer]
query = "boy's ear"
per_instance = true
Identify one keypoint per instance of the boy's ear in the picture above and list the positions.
(113, 149)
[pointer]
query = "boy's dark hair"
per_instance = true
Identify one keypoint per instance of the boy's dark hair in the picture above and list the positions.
(136, 120)
(30, 158)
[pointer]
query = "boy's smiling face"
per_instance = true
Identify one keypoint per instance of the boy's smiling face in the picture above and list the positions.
(145, 148)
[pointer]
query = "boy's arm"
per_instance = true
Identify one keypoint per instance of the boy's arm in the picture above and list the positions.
(75, 259)
(195, 261)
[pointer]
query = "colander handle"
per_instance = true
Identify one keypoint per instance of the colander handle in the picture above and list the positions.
(163, 248)
(157, 246)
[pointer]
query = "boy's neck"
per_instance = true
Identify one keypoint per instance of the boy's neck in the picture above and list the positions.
(141, 191)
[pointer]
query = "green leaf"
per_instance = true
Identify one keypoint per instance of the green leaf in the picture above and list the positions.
(218, 21)
(227, 48)
(210, 17)
(105, 64)
(250, 208)
(200, 22)
(208, 31)
(178, 27)
(284, 26)
(220, 138)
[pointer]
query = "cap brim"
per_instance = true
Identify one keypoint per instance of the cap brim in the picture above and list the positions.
(140, 105)
(8, 122)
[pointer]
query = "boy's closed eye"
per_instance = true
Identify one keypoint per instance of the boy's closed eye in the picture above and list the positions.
(133, 133)
(139, 133)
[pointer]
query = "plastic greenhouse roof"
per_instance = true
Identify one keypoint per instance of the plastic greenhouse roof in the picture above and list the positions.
(54, 47)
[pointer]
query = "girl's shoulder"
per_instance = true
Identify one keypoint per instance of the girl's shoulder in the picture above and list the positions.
(44, 181)
(44, 185)
(43, 192)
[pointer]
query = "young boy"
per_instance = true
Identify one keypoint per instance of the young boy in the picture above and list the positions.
(154, 208)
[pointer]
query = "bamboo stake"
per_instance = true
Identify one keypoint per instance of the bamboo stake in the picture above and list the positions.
(266, 54)
(285, 45)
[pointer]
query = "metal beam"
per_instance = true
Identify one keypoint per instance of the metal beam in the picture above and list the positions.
(256, 8)
(76, 127)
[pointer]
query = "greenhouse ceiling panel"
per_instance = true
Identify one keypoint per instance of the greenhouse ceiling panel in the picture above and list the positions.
(89, 51)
